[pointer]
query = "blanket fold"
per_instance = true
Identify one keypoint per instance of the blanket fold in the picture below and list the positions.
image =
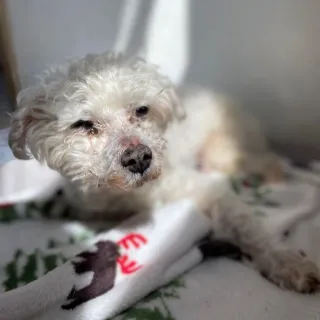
(116, 269)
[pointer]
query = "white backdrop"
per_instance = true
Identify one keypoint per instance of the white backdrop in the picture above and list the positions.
(265, 52)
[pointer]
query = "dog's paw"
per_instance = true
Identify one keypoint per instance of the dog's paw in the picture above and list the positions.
(290, 270)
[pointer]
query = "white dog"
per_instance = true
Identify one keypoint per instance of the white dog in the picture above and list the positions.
(114, 129)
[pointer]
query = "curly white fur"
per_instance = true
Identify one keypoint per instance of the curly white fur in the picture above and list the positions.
(106, 90)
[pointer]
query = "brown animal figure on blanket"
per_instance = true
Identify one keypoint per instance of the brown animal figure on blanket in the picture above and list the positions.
(103, 265)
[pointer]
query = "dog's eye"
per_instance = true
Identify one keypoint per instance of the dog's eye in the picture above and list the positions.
(142, 111)
(86, 125)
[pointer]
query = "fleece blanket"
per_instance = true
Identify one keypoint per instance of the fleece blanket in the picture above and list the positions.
(93, 278)
(51, 269)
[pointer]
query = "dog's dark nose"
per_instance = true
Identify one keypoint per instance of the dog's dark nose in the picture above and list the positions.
(137, 159)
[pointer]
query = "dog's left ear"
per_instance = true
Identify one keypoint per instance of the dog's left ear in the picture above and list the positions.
(177, 107)
(169, 107)
(172, 109)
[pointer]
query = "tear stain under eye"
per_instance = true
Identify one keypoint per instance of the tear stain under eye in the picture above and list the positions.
(93, 131)
(131, 119)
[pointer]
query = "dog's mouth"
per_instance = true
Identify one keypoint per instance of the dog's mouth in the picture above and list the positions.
(130, 181)
(152, 175)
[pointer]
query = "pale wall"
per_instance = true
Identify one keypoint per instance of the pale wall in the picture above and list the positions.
(266, 52)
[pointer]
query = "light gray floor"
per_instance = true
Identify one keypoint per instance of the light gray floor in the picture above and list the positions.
(4, 104)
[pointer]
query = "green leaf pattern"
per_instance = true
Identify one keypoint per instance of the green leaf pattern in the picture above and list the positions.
(155, 305)
(253, 191)
(25, 268)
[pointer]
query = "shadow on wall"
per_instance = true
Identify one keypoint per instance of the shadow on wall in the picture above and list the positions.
(267, 54)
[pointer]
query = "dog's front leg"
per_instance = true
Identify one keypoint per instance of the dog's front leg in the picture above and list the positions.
(235, 222)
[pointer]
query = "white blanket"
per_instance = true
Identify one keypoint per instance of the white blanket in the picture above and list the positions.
(94, 279)
(97, 284)
(153, 254)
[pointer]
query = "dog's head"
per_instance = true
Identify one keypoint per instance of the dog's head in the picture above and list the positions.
(99, 122)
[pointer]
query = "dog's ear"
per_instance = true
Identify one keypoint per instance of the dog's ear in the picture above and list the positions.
(178, 110)
(172, 109)
(168, 107)
(31, 115)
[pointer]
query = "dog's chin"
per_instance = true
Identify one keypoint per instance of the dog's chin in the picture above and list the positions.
(130, 182)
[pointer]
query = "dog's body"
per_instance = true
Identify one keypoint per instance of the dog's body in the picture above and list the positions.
(117, 133)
